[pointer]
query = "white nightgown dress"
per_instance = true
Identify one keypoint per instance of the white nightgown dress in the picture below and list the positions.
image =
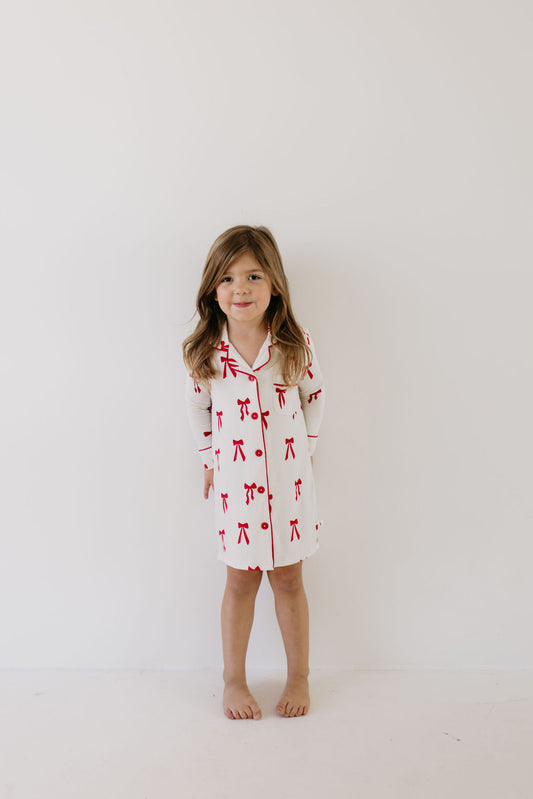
(258, 435)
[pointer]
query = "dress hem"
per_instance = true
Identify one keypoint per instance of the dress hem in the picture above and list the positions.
(268, 568)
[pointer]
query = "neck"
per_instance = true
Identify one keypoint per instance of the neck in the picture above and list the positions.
(247, 331)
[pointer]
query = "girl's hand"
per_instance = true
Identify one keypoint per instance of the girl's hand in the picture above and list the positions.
(208, 481)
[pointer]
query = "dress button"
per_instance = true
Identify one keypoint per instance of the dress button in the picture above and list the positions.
(259, 452)
(255, 415)
(261, 490)
(251, 377)
(265, 526)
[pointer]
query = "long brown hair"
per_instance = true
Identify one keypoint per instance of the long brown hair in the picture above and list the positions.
(293, 351)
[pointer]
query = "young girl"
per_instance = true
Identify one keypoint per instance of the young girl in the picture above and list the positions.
(255, 401)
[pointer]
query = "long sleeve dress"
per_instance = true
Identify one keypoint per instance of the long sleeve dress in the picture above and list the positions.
(258, 435)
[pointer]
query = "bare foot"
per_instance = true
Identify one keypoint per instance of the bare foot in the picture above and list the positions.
(295, 699)
(239, 703)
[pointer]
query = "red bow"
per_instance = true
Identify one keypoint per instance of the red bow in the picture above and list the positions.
(297, 484)
(217, 453)
(224, 498)
(264, 415)
(293, 523)
(244, 407)
(249, 490)
(314, 395)
(219, 419)
(242, 528)
(289, 442)
(281, 396)
(228, 362)
(238, 449)
(222, 533)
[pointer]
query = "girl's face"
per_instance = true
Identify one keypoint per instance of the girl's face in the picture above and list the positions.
(244, 292)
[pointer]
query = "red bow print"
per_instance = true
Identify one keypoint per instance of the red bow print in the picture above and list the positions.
(224, 498)
(229, 363)
(217, 453)
(281, 394)
(244, 407)
(264, 415)
(249, 490)
(314, 395)
(238, 449)
(207, 433)
(197, 389)
(257, 569)
(294, 529)
(219, 419)
(297, 484)
(289, 442)
(222, 533)
(309, 372)
(242, 528)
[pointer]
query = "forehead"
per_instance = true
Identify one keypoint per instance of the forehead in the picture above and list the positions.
(244, 263)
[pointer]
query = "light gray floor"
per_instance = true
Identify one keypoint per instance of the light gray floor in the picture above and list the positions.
(370, 734)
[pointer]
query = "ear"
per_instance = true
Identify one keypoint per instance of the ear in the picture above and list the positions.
(274, 292)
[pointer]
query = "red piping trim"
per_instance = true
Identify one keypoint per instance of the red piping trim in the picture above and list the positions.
(266, 472)
(266, 362)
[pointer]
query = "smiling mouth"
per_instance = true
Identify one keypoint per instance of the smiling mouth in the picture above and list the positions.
(242, 304)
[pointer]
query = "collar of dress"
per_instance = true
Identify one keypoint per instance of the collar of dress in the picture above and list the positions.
(263, 356)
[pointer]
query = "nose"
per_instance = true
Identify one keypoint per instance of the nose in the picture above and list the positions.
(240, 286)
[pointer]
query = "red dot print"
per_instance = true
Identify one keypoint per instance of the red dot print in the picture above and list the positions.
(261, 490)
(255, 415)
(259, 452)
(265, 526)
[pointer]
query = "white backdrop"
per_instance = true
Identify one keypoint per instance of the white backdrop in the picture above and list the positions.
(388, 147)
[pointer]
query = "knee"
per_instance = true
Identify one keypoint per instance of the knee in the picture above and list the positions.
(286, 579)
(243, 583)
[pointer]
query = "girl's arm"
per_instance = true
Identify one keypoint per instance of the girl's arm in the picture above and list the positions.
(198, 402)
(311, 390)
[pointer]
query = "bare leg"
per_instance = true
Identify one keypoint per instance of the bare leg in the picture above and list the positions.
(293, 618)
(237, 616)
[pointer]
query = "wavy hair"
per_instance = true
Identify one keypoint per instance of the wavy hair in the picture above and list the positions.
(291, 346)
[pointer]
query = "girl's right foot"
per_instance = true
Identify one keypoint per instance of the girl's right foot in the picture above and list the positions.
(239, 703)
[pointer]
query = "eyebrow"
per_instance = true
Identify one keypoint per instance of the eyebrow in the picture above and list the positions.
(248, 271)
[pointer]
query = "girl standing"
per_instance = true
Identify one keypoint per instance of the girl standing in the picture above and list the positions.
(255, 401)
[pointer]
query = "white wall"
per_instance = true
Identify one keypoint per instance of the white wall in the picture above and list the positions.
(388, 147)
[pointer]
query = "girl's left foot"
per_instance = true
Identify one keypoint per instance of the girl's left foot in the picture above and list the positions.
(295, 699)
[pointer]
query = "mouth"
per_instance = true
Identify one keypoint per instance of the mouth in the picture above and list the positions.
(241, 304)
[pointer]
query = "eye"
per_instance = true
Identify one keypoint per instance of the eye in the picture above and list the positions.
(225, 279)
(255, 277)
